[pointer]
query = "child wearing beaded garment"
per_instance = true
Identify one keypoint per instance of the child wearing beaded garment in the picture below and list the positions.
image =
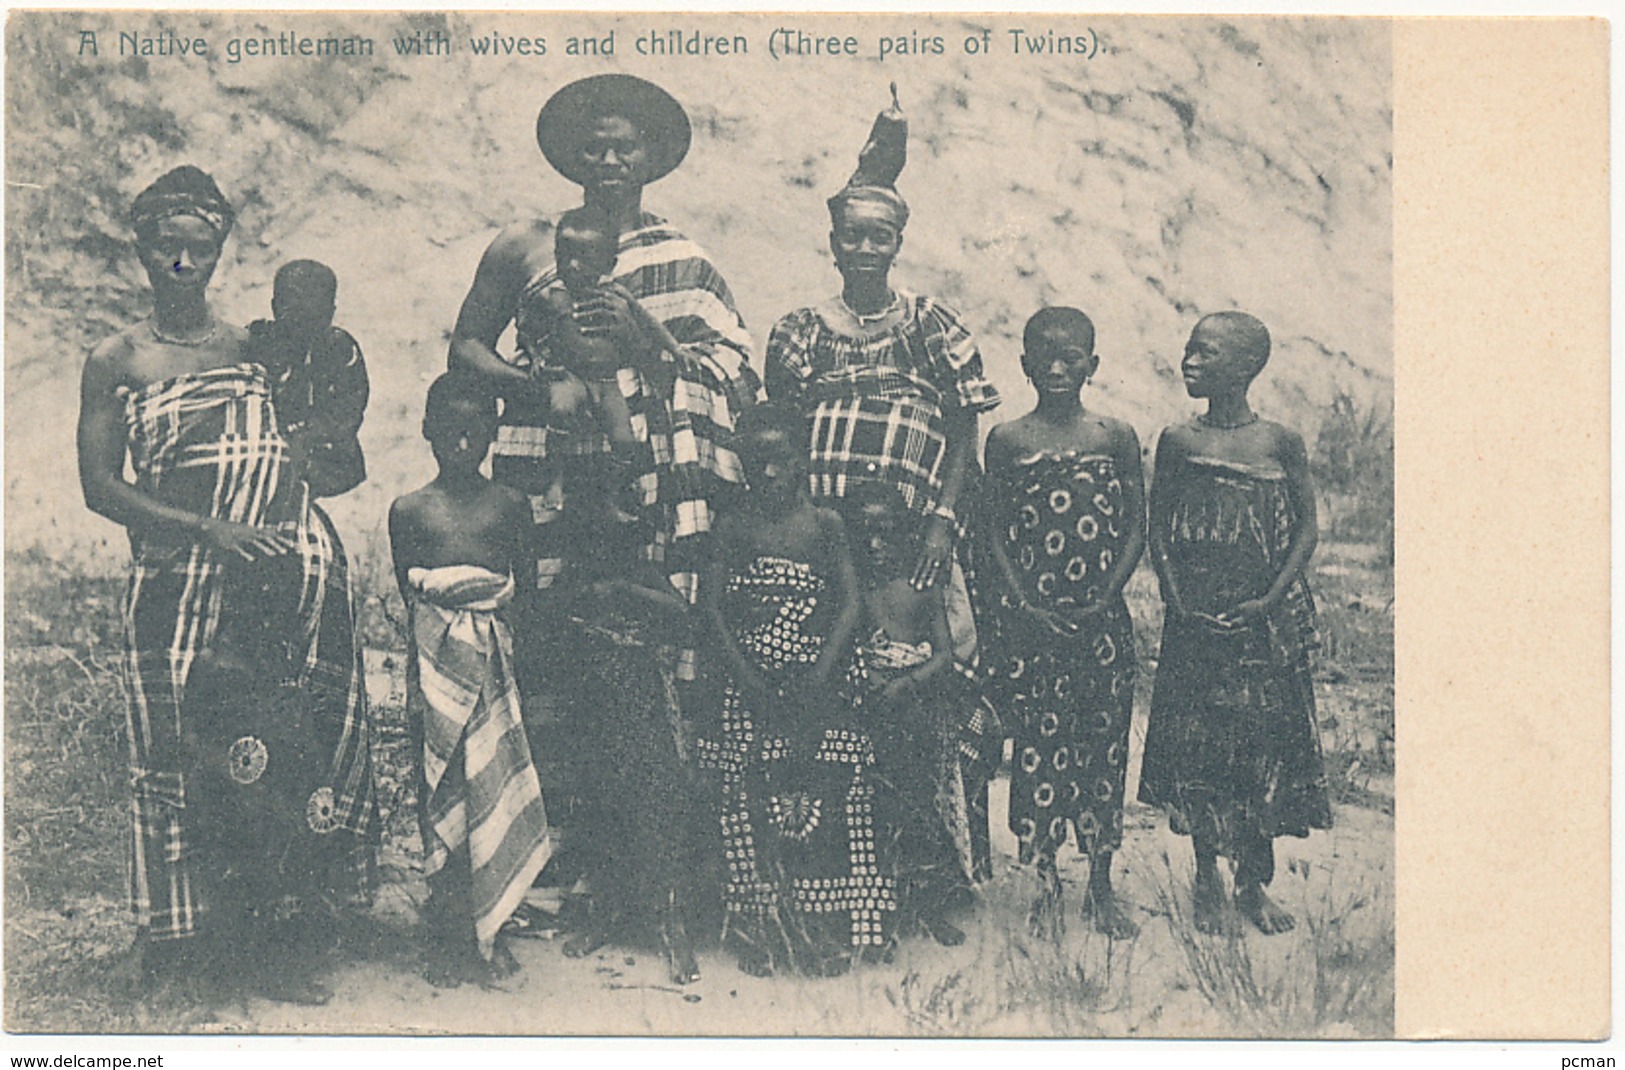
(804, 888)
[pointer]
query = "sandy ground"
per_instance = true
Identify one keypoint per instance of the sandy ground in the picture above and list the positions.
(1000, 982)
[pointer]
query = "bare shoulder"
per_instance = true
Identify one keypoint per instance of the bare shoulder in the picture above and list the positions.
(113, 353)
(1120, 433)
(1285, 443)
(1005, 439)
(506, 258)
(411, 505)
(1180, 435)
(517, 239)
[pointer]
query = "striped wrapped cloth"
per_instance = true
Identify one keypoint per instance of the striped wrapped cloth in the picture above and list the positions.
(690, 454)
(480, 791)
(209, 443)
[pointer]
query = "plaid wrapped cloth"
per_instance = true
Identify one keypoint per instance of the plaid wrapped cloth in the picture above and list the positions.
(208, 442)
(480, 797)
(877, 400)
(690, 453)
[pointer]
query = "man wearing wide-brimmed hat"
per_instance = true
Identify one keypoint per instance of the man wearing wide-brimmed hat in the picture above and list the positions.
(612, 134)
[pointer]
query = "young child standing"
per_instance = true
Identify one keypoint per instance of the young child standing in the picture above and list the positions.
(640, 796)
(1232, 748)
(1065, 522)
(457, 544)
(318, 376)
(804, 887)
(908, 710)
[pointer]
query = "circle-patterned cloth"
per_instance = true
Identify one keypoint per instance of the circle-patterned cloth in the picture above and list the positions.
(1071, 698)
(319, 813)
(798, 828)
(246, 760)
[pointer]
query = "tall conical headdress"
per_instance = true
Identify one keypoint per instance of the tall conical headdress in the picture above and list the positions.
(879, 164)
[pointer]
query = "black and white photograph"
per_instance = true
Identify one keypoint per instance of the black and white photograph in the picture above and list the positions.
(644, 524)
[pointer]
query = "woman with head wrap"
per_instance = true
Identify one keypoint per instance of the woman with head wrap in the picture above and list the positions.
(248, 727)
(891, 381)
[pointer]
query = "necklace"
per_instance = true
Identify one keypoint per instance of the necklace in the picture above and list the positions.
(865, 319)
(1252, 418)
(190, 343)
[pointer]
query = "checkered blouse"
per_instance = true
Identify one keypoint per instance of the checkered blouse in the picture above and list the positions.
(877, 401)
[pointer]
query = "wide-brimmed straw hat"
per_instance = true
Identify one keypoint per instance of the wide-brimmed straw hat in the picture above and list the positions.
(571, 111)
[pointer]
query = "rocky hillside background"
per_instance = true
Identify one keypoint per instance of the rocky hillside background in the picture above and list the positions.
(1190, 166)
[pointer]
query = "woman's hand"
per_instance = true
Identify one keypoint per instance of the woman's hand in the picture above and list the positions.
(935, 551)
(1056, 623)
(243, 540)
(1252, 612)
(1089, 617)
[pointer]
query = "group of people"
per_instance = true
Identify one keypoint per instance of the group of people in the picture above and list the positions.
(703, 655)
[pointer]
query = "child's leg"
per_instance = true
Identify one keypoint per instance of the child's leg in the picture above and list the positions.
(1100, 901)
(1046, 919)
(614, 417)
(981, 843)
(569, 402)
(1255, 869)
(1208, 897)
(917, 845)
(451, 955)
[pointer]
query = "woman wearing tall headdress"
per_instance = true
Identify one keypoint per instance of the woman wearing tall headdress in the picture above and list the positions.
(238, 592)
(891, 381)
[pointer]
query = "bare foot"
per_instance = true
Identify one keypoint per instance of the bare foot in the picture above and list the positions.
(681, 965)
(1102, 907)
(446, 971)
(502, 964)
(755, 962)
(583, 944)
(941, 930)
(1258, 908)
(1046, 920)
(1209, 902)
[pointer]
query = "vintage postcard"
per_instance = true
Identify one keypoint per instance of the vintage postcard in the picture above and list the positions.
(553, 524)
